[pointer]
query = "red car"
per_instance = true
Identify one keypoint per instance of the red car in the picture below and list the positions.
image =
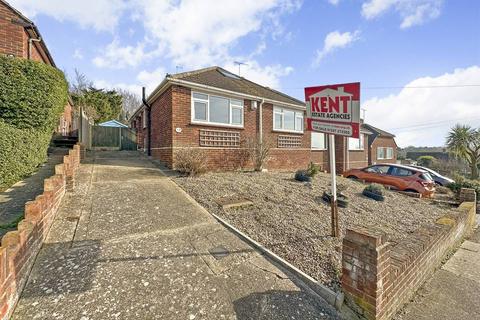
(396, 176)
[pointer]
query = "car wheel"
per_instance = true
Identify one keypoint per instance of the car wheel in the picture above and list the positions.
(352, 178)
(411, 190)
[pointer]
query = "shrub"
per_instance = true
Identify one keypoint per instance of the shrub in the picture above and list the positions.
(313, 169)
(21, 152)
(258, 152)
(461, 182)
(190, 161)
(303, 176)
(375, 188)
(32, 94)
(426, 161)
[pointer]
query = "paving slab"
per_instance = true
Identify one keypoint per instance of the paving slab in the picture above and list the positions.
(126, 244)
(453, 291)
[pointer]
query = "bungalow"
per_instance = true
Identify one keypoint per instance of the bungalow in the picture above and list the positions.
(382, 147)
(216, 111)
(19, 37)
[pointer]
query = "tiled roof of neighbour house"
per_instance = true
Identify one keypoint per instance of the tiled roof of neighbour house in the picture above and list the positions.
(222, 79)
(30, 26)
(378, 131)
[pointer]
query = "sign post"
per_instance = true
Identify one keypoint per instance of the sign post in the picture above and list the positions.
(334, 110)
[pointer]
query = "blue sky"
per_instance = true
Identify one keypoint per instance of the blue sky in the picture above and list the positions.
(389, 46)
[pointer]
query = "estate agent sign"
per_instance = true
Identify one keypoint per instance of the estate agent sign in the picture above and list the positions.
(334, 109)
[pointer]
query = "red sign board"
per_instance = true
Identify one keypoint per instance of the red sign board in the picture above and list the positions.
(334, 109)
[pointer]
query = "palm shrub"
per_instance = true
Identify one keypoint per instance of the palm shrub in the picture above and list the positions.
(464, 142)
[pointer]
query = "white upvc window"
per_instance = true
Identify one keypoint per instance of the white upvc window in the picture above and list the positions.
(356, 144)
(384, 153)
(319, 141)
(380, 153)
(289, 120)
(211, 109)
(389, 153)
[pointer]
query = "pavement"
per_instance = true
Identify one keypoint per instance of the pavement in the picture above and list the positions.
(12, 200)
(128, 244)
(453, 291)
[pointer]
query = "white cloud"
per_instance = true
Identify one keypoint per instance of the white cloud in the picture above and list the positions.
(198, 33)
(116, 56)
(77, 54)
(412, 12)
(152, 79)
(195, 34)
(102, 15)
(333, 41)
(421, 115)
(334, 2)
(268, 76)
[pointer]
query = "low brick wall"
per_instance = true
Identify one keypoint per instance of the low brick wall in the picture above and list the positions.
(20, 247)
(379, 277)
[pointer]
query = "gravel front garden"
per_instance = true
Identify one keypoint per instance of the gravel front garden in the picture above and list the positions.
(290, 218)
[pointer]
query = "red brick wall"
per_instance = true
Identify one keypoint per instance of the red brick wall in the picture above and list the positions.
(11, 35)
(161, 117)
(379, 277)
(19, 248)
(382, 142)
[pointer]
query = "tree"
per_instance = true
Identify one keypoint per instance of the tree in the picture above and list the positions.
(99, 104)
(464, 142)
(130, 103)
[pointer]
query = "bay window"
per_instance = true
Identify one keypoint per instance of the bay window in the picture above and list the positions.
(212, 109)
(287, 120)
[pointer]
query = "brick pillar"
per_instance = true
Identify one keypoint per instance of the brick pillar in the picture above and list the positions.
(366, 271)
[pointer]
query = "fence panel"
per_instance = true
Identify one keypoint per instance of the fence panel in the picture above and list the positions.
(129, 139)
(107, 137)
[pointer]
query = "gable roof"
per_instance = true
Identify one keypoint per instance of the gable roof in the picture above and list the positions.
(378, 131)
(222, 79)
(30, 28)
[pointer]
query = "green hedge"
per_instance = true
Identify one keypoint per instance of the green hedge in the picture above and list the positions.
(32, 94)
(32, 97)
(21, 151)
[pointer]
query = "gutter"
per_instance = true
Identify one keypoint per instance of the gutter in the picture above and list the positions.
(149, 123)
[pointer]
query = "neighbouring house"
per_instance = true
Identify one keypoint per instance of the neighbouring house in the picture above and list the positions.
(19, 37)
(113, 123)
(217, 111)
(382, 147)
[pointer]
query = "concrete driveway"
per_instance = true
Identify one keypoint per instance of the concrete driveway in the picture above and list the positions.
(128, 244)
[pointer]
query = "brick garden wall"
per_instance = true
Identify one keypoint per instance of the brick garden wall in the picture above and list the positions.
(19, 248)
(378, 277)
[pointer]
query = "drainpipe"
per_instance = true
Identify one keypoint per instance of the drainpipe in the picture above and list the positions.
(149, 122)
(260, 120)
(30, 43)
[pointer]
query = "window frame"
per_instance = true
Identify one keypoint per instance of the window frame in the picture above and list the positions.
(279, 110)
(325, 141)
(386, 153)
(383, 152)
(231, 106)
(361, 144)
